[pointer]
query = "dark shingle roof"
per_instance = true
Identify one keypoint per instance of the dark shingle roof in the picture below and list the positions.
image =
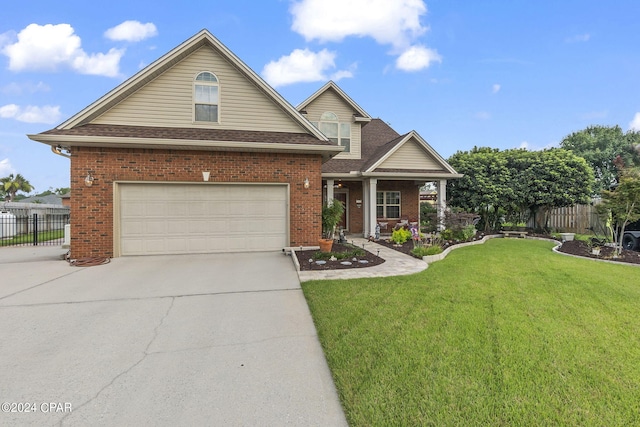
(193, 134)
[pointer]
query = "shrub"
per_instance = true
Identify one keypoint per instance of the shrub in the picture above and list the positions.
(459, 233)
(420, 251)
(355, 252)
(400, 236)
(428, 216)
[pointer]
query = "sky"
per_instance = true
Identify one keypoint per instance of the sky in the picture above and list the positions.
(462, 73)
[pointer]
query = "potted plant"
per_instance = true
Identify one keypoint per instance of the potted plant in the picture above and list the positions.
(508, 226)
(595, 243)
(331, 216)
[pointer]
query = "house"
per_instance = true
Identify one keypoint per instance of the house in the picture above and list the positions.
(379, 174)
(196, 154)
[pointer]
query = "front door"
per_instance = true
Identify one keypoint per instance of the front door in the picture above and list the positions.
(342, 197)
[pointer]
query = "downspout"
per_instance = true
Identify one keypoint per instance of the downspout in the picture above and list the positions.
(58, 150)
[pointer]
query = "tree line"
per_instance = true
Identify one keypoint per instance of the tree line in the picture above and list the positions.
(12, 184)
(510, 185)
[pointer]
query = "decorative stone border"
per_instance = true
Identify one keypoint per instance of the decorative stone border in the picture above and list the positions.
(292, 252)
(433, 258)
(555, 249)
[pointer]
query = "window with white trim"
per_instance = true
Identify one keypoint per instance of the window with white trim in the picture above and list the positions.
(206, 97)
(388, 204)
(336, 131)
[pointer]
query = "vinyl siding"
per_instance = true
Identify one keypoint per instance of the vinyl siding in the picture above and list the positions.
(410, 156)
(168, 100)
(330, 101)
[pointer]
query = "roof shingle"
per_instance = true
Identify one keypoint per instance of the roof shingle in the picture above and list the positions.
(193, 134)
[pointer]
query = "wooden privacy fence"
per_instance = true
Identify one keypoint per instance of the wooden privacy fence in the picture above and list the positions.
(573, 219)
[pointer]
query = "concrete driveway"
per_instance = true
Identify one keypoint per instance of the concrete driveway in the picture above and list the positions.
(166, 340)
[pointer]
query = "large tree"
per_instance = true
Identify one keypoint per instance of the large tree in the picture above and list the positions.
(516, 183)
(602, 147)
(484, 185)
(555, 178)
(12, 184)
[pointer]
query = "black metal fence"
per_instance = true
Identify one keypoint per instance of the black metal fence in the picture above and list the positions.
(42, 228)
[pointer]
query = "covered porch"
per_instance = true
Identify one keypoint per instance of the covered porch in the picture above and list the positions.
(384, 201)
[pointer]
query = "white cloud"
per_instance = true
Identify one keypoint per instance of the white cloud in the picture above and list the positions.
(495, 88)
(482, 115)
(578, 38)
(528, 146)
(14, 88)
(303, 66)
(417, 58)
(635, 123)
(388, 22)
(46, 47)
(6, 168)
(31, 114)
(131, 31)
(395, 23)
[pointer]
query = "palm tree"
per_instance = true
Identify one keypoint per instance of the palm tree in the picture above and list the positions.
(11, 185)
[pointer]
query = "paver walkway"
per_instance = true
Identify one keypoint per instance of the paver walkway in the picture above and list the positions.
(396, 264)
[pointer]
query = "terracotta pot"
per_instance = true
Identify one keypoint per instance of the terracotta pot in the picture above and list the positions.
(326, 245)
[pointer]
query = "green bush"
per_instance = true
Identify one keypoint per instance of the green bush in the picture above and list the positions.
(428, 216)
(457, 233)
(420, 251)
(400, 236)
(355, 252)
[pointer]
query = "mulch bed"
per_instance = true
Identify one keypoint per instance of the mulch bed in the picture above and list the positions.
(580, 248)
(574, 247)
(305, 256)
(406, 247)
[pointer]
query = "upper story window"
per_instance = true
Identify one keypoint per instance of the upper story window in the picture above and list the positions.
(340, 133)
(206, 97)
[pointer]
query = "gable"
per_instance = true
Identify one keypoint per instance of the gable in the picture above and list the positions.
(329, 100)
(167, 100)
(410, 156)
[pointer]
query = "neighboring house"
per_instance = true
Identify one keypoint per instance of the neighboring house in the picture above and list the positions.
(196, 154)
(50, 199)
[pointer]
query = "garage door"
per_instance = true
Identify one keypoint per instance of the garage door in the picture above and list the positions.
(202, 218)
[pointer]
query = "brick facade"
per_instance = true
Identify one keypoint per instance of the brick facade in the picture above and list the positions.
(409, 201)
(409, 198)
(92, 212)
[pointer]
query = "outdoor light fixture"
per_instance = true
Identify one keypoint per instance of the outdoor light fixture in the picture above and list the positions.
(205, 175)
(306, 183)
(88, 181)
(359, 203)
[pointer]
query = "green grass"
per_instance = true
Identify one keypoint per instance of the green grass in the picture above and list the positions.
(502, 334)
(43, 236)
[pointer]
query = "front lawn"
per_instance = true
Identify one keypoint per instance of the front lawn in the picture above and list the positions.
(506, 333)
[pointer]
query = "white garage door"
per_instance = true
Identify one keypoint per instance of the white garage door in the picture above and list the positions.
(202, 218)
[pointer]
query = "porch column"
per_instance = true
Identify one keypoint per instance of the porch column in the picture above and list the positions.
(442, 203)
(329, 190)
(370, 219)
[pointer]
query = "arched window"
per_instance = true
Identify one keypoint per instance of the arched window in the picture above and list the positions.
(340, 133)
(206, 97)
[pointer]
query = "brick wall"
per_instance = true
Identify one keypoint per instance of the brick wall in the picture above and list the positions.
(409, 198)
(92, 211)
(409, 201)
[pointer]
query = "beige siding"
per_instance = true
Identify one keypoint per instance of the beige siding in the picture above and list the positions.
(410, 156)
(330, 101)
(168, 100)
